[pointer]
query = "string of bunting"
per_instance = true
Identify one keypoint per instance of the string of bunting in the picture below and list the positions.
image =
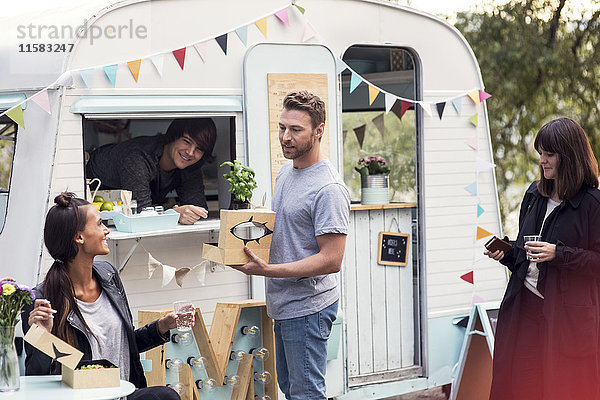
(393, 103)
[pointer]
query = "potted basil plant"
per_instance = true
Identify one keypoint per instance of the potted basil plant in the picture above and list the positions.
(241, 184)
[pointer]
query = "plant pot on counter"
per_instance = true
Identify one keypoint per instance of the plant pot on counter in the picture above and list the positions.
(239, 205)
(374, 189)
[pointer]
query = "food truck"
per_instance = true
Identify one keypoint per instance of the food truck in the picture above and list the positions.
(398, 83)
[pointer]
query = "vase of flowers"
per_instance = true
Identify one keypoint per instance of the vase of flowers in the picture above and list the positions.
(373, 180)
(12, 299)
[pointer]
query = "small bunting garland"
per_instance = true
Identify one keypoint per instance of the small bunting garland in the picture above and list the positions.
(134, 67)
(180, 56)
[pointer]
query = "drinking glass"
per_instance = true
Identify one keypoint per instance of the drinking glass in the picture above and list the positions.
(184, 311)
(531, 256)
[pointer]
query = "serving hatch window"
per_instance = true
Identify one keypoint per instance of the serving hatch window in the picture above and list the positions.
(101, 131)
(8, 138)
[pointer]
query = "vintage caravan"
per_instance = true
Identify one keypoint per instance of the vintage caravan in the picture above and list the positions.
(397, 82)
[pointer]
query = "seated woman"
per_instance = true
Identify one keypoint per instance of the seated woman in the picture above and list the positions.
(83, 302)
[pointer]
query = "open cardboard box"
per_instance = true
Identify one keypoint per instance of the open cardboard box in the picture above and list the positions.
(239, 228)
(70, 358)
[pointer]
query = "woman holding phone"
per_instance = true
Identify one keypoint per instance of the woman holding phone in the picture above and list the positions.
(548, 333)
(83, 302)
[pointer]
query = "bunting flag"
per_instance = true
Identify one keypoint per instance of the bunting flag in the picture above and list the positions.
(483, 165)
(87, 76)
(360, 134)
(158, 61)
(153, 263)
(134, 67)
(16, 114)
(222, 41)
(379, 124)
(468, 277)
(390, 99)
(473, 142)
(355, 80)
(440, 108)
(427, 109)
(474, 95)
(180, 56)
(340, 66)
(42, 100)
(457, 104)
(262, 26)
(309, 33)
(483, 95)
(474, 120)
(477, 299)
(180, 274)
(481, 233)
(111, 73)
(168, 274)
(472, 188)
(201, 50)
(282, 15)
(480, 210)
(242, 33)
(373, 93)
(301, 9)
(399, 108)
(65, 79)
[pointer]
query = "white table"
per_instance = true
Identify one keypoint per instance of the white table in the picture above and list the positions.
(211, 226)
(50, 387)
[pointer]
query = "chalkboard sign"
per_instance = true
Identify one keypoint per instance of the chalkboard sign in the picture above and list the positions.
(393, 248)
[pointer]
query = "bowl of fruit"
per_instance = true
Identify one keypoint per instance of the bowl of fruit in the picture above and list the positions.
(108, 209)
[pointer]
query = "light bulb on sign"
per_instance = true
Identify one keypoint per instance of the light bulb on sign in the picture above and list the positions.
(182, 338)
(263, 397)
(263, 377)
(197, 362)
(174, 364)
(251, 330)
(237, 355)
(260, 353)
(232, 380)
(178, 387)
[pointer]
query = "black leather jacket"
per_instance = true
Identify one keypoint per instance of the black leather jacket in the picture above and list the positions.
(140, 340)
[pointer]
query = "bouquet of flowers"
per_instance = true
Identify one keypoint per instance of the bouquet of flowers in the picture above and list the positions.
(12, 299)
(372, 165)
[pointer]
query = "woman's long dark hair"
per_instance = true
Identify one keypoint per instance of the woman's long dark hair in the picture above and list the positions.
(577, 166)
(64, 220)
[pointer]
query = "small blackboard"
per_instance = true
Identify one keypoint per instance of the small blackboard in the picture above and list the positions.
(393, 248)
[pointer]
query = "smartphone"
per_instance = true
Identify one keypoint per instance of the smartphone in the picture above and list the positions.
(496, 243)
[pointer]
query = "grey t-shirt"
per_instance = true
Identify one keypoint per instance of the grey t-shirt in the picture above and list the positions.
(110, 341)
(309, 202)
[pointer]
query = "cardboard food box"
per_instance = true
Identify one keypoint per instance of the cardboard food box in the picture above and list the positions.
(70, 358)
(239, 228)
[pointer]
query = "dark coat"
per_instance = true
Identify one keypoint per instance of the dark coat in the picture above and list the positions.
(142, 339)
(571, 305)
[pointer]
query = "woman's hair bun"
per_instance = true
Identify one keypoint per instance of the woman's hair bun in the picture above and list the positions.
(64, 199)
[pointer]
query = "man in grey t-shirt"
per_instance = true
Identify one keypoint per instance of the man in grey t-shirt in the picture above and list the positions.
(312, 205)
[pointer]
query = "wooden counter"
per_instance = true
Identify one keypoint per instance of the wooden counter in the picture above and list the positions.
(361, 207)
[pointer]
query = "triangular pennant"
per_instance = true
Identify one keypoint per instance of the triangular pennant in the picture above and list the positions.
(168, 274)
(379, 124)
(400, 107)
(477, 299)
(153, 263)
(42, 100)
(111, 73)
(282, 15)
(474, 120)
(180, 56)
(474, 95)
(483, 95)
(134, 67)
(360, 134)
(473, 142)
(262, 26)
(301, 9)
(344, 134)
(355, 80)
(200, 271)
(373, 93)
(472, 188)
(481, 233)
(66, 79)
(87, 76)
(480, 210)
(426, 109)
(242, 33)
(390, 99)
(201, 49)
(16, 114)
(457, 104)
(309, 33)
(158, 61)
(340, 66)
(180, 274)
(468, 277)
(483, 165)
(222, 41)
(440, 108)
